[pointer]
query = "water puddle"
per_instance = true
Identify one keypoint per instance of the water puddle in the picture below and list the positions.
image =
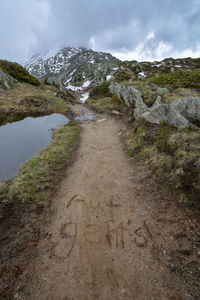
(87, 115)
(21, 140)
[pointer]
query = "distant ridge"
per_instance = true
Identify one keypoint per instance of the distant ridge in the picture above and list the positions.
(74, 66)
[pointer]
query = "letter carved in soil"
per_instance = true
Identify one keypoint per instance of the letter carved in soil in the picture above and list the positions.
(92, 234)
(115, 236)
(64, 247)
(143, 234)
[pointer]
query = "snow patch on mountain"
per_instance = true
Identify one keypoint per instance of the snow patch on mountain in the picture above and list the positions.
(74, 66)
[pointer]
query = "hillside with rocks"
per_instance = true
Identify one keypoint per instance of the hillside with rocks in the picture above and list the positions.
(74, 66)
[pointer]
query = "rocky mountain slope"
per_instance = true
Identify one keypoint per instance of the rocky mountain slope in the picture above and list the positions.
(74, 66)
(167, 65)
(79, 68)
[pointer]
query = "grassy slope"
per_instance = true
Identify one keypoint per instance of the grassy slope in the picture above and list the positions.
(101, 100)
(21, 98)
(178, 79)
(105, 104)
(172, 154)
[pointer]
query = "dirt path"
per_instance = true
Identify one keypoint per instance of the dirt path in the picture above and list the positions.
(111, 234)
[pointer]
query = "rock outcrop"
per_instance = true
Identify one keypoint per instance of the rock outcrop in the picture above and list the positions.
(55, 80)
(180, 113)
(6, 79)
(159, 89)
(126, 93)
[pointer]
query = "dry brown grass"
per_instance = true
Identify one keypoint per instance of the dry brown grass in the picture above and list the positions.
(13, 99)
(180, 93)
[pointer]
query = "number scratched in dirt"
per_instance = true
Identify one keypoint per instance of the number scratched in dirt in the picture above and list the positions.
(109, 233)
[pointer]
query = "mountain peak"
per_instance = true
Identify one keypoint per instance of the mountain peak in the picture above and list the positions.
(74, 66)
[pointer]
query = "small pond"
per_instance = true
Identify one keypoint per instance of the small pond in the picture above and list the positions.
(21, 140)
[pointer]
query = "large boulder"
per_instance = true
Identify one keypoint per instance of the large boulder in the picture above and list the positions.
(188, 108)
(6, 79)
(55, 80)
(157, 113)
(159, 89)
(180, 113)
(128, 94)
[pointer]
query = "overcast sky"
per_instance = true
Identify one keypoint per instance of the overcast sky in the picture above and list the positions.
(129, 29)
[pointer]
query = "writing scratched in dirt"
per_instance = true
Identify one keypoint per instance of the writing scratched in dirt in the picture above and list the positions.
(110, 233)
(63, 248)
(115, 235)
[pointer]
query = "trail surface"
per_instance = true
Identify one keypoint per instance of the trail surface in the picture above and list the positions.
(111, 231)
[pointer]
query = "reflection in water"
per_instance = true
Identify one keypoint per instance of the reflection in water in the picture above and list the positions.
(21, 140)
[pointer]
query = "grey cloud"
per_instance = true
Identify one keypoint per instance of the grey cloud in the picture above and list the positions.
(117, 25)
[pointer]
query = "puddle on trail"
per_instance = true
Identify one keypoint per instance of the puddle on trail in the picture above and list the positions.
(87, 115)
(21, 140)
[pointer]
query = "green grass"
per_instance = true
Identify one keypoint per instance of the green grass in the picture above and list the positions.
(105, 104)
(178, 79)
(30, 99)
(38, 173)
(122, 75)
(172, 154)
(18, 72)
(101, 90)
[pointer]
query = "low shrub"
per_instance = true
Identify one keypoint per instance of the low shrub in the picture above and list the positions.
(101, 90)
(18, 72)
(178, 79)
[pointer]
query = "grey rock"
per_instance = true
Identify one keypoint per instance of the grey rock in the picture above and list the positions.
(157, 102)
(115, 112)
(159, 89)
(128, 94)
(6, 85)
(180, 112)
(188, 108)
(54, 80)
(163, 64)
(172, 69)
(157, 114)
(5, 79)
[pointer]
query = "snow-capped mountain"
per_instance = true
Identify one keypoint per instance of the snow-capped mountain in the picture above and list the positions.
(75, 66)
